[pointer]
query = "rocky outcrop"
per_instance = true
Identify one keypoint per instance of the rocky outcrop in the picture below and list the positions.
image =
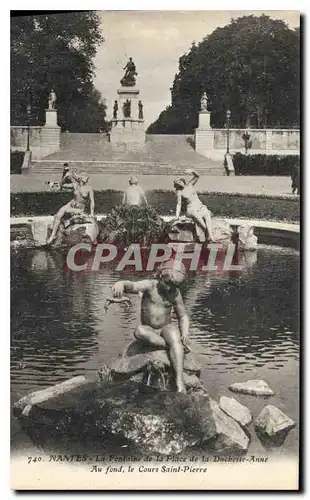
(24, 405)
(76, 229)
(236, 410)
(272, 425)
(39, 229)
(145, 419)
(253, 387)
(22, 236)
(159, 422)
(222, 231)
(184, 230)
(230, 437)
(127, 413)
(35, 232)
(246, 238)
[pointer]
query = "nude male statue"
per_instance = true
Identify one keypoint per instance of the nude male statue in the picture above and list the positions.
(159, 297)
(52, 99)
(134, 194)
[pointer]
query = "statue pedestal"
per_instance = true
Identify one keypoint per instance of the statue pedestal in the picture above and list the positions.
(50, 133)
(204, 120)
(51, 118)
(128, 130)
(204, 135)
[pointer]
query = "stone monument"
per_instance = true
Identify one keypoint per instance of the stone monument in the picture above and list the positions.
(51, 111)
(204, 113)
(128, 121)
(51, 130)
(204, 136)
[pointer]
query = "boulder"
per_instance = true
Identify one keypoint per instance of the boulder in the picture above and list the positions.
(169, 424)
(273, 423)
(222, 231)
(246, 238)
(76, 229)
(21, 236)
(185, 230)
(99, 414)
(39, 229)
(253, 387)
(78, 233)
(230, 437)
(182, 230)
(236, 410)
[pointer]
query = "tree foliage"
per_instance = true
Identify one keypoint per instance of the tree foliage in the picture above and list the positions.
(250, 66)
(56, 51)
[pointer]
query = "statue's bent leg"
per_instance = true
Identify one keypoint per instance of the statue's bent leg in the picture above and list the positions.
(208, 222)
(202, 219)
(67, 209)
(57, 221)
(149, 336)
(172, 337)
(200, 225)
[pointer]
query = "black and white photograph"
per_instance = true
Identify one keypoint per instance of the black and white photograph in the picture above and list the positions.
(155, 250)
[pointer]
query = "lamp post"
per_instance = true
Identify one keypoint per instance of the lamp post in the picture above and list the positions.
(228, 115)
(28, 126)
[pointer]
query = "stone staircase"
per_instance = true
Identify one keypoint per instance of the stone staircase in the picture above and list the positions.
(94, 154)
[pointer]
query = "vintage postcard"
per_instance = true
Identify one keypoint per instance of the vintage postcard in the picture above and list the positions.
(155, 211)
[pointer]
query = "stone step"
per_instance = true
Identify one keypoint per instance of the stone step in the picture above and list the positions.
(157, 149)
(52, 167)
(159, 155)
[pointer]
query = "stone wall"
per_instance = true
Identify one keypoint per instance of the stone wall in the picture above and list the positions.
(168, 138)
(213, 142)
(19, 137)
(277, 139)
(43, 141)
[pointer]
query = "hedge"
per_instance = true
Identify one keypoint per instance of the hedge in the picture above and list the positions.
(17, 158)
(281, 208)
(264, 164)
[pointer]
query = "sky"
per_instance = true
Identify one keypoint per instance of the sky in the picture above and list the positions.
(156, 40)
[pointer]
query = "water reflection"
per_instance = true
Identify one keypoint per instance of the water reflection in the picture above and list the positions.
(60, 329)
(246, 324)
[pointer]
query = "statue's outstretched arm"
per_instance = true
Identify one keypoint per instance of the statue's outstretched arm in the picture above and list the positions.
(195, 177)
(92, 202)
(123, 286)
(179, 205)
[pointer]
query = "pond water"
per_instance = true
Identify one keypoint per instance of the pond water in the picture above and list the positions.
(246, 325)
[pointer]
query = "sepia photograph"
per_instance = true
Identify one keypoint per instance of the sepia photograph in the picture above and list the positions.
(155, 250)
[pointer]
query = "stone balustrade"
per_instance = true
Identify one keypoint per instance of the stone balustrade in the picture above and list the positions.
(212, 143)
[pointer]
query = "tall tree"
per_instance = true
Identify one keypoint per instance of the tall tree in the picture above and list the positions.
(250, 66)
(56, 51)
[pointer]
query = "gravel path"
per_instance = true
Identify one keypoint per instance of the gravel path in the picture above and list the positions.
(271, 186)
